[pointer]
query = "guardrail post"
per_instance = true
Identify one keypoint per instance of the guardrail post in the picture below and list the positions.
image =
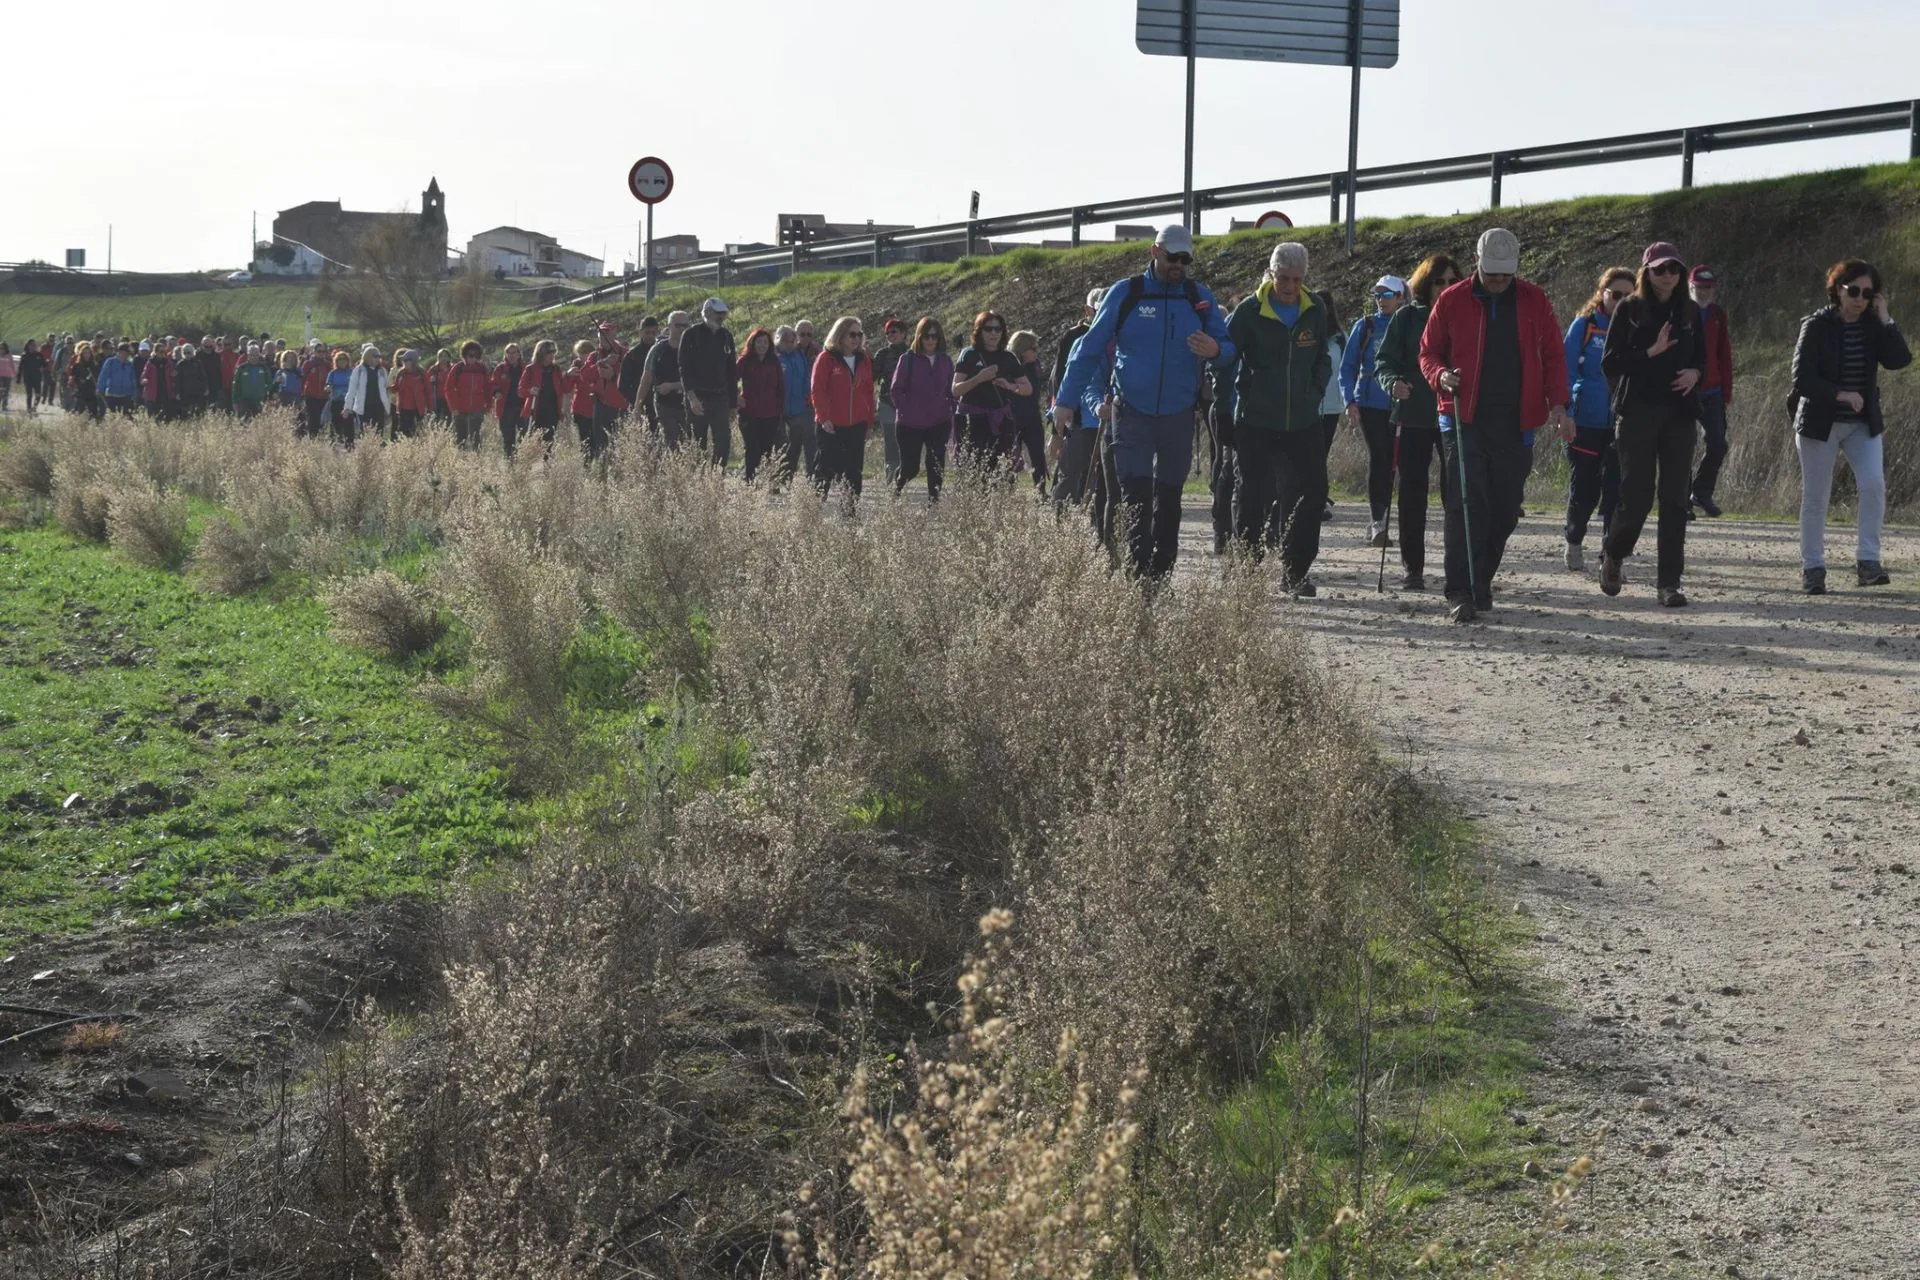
(879, 250)
(1913, 131)
(1333, 193)
(1077, 214)
(973, 238)
(1686, 159)
(719, 270)
(799, 256)
(1499, 165)
(1195, 228)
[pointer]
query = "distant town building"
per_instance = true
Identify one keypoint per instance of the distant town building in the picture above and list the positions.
(333, 234)
(1125, 231)
(805, 228)
(668, 250)
(580, 265)
(516, 251)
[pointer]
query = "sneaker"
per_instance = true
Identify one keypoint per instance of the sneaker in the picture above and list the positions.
(1814, 581)
(1413, 581)
(1576, 558)
(1672, 597)
(1377, 534)
(1483, 603)
(1460, 611)
(1870, 573)
(1708, 507)
(1302, 589)
(1611, 575)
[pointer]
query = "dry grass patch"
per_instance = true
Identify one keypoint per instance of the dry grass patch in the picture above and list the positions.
(384, 612)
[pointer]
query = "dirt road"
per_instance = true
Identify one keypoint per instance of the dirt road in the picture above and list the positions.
(1713, 814)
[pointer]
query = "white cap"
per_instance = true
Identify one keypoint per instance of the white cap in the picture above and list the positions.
(1499, 252)
(715, 305)
(1392, 284)
(1174, 238)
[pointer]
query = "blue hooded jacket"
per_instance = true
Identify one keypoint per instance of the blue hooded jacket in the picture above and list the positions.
(1592, 399)
(117, 378)
(1357, 383)
(797, 370)
(1156, 373)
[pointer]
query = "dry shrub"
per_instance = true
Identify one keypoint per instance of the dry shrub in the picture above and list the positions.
(92, 1037)
(26, 465)
(81, 490)
(146, 524)
(384, 612)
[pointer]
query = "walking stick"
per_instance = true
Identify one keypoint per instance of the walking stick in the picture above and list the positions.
(1466, 517)
(1393, 474)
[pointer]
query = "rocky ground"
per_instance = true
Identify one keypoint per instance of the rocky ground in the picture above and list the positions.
(1713, 816)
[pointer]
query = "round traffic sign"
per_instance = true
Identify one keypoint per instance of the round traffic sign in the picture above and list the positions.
(650, 180)
(1273, 218)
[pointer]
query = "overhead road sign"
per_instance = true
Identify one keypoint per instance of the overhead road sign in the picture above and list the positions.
(1311, 31)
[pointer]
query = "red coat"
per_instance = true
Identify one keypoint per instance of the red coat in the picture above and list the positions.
(842, 398)
(229, 361)
(1456, 336)
(563, 381)
(593, 385)
(411, 389)
(313, 377)
(763, 388)
(1719, 373)
(437, 379)
(469, 388)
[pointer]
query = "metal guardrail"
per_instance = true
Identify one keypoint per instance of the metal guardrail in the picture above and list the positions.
(1685, 144)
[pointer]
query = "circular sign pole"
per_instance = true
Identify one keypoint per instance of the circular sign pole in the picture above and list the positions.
(650, 181)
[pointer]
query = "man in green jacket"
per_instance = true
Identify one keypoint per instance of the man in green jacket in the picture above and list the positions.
(1280, 335)
(252, 383)
(1416, 410)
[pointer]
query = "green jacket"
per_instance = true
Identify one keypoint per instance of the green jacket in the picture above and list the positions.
(1398, 360)
(1283, 371)
(252, 383)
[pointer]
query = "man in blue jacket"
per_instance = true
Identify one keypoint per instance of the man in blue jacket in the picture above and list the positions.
(1367, 405)
(118, 383)
(1161, 328)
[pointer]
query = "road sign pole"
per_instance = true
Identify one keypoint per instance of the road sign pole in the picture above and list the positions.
(650, 253)
(1353, 120)
(1187, 210)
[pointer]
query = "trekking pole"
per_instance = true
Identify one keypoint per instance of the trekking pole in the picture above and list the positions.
(1393, 474)
(1466, 519)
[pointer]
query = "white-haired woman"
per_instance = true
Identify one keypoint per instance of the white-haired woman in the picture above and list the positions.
(368, 401)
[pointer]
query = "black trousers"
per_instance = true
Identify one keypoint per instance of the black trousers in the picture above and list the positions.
(1485, 473)
(1418, 448)
(843, 455)
(761, 435)
(1220, 474)
(1593, 480)
(1280, 475)
(1656, 457)
(1376, 427)
(512, 418)
(918, 442)
(406, 422)
(1713, 422)
(1033, 435)
(593, 436)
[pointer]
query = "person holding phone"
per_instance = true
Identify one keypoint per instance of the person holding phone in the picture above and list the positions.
(1836, 409)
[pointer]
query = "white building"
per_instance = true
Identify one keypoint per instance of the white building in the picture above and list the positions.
(579, 266)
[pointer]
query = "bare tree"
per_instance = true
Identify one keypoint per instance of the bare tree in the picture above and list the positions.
(398, 289)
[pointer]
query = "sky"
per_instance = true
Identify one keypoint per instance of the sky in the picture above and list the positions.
(856, 109)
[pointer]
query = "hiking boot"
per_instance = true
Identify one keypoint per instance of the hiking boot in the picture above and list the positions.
(1708, 507)
(1413, 580)
(1377, 534)
(1813, 582)
(1672, 597)
(1326, 514)
(1612, 577)
(1870, 574)
(1460, 611)
(1691, 514)
(1302, 589)
(1576, 558)
(1483, 602)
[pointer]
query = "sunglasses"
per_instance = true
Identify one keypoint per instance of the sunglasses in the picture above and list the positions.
(1616, 294)
(1180, 259)
(1385, 293)
(1664, 269)
(1860, 291)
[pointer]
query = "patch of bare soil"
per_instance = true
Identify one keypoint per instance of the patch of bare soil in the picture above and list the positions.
(193, 1037)
(1713, 815)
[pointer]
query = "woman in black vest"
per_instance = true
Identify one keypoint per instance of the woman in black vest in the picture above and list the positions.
(1658, 354)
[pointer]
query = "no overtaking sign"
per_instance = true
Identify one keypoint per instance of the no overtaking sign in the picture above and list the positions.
(650, 180)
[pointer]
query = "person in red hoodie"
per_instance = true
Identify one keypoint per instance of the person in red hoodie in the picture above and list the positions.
(592, 387)
(313, 388)
(843, 405)
(1492, 353)
(544, 389)
(437, 379)
(507, 404)
(469, 391)
(1716, 389)
(763, 395)
(412, 394)
(231, 358)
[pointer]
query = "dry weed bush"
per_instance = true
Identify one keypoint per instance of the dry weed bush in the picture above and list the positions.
(82, 483)
(26, 464)
(384, 612)
(146, 524)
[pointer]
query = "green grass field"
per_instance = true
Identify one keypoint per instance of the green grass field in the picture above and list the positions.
(229, 755)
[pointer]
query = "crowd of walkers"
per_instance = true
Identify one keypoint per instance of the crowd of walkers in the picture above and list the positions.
(1451, 367)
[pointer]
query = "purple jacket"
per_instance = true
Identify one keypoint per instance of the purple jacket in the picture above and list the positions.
(923, 391)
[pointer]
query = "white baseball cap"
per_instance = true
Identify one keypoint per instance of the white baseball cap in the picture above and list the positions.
(1392, 284)
(1174, 238)
(714, 305)
(1499, 252)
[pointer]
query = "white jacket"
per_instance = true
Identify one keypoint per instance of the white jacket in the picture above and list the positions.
(357, 391)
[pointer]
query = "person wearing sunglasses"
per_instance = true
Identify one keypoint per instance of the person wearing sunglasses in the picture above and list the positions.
(986, 378)
(1492, 351)
(1716, 388)
(1365, 406)
(1415, 411)
(1657, 353)
(844, 402)
(1593, 464)
(1836, 409)
(660, 384)
(1160, 327)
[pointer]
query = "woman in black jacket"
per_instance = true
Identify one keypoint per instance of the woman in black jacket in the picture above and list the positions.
(1657, 352)
(1836, 409)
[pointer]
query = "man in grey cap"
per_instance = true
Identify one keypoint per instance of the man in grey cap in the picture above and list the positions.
(1161, 327)
(712, 382)
(1493, 354)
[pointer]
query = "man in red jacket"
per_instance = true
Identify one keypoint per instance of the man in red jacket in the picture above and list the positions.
(1492, 352)
(1716, 388)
